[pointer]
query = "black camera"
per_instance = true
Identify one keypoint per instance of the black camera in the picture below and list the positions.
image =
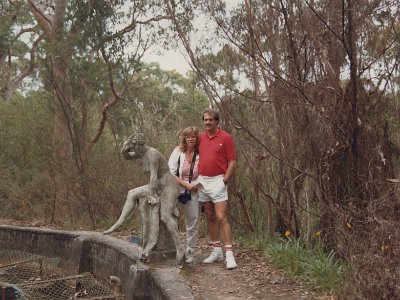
(184, 197)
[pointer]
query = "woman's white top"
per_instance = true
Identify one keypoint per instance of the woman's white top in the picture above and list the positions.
(176, 155)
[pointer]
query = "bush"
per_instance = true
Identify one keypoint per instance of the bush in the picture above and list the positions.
(376, 266)
(318, 270)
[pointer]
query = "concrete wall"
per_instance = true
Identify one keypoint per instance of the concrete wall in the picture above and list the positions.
(100, 255)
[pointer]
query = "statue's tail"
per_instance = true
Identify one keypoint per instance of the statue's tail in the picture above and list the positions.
(112, 229)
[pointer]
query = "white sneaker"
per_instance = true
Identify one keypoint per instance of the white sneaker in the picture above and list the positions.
(230, 261)
(189, 256)
(216, 255)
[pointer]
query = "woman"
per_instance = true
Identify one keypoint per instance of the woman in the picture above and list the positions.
(180, 164)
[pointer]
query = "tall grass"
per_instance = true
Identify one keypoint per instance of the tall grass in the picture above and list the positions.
(318, 270)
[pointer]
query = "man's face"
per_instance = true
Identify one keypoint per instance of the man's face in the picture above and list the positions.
(210, 124)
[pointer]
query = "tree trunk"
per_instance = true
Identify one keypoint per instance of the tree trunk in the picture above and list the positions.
(64, 133)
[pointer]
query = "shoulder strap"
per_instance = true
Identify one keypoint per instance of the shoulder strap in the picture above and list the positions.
(192, 166)
(179, 163)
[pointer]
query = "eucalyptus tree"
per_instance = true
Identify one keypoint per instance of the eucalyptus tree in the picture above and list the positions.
(311, 71)
(87, 53)
(160, 103)
(18, 47)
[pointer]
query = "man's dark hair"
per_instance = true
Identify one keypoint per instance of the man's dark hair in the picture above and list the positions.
(213, 112)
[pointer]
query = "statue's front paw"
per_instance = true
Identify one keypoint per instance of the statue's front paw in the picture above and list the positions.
(144, 254)
(153, 200)
(144, 257)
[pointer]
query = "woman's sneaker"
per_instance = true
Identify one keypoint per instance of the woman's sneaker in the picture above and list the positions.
(230, 261)
(216, 255)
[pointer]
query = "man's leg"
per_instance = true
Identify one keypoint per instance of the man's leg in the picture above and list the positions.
(213, 231)
(212, 223)
(221, 212)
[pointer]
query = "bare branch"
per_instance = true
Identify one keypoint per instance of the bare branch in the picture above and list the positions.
(41, 18)
(133, 24)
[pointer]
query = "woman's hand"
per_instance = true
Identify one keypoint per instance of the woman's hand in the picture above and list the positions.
(193, 187)
(189, 186)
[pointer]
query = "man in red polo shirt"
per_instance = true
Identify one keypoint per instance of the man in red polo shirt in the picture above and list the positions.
(216, 166)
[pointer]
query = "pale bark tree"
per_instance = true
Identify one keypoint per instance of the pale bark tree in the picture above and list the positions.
(15, 64)
(13, 78)
(61, 33)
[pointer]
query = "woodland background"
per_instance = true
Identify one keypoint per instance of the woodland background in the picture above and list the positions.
(308, 88)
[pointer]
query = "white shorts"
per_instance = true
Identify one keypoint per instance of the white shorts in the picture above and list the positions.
(214, 189)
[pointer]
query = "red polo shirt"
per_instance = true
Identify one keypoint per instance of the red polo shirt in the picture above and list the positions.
(215, 153)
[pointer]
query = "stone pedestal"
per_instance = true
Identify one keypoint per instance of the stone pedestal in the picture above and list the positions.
(165, 248)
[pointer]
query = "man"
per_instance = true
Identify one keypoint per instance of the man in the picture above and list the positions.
(216, 167)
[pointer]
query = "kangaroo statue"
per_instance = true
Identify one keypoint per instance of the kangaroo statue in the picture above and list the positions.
(160, 194)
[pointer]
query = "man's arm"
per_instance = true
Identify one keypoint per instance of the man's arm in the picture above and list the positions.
(230, 170)
(231, 156)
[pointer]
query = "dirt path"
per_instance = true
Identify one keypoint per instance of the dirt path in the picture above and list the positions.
(253, 279)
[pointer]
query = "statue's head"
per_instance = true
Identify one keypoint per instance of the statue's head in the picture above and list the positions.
(134, 146)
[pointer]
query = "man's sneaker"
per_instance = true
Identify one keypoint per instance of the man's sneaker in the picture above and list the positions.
(230, 261)
(189, 256)
(216, 255)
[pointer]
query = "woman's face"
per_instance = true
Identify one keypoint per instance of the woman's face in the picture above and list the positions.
(191, 140)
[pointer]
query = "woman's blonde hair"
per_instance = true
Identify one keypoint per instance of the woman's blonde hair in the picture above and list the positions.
(188, 131)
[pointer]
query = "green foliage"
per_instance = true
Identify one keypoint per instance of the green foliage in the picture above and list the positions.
(318, 270)
(160, 103)
(375, 255)
(25, 156)
(301, 133)
(21, 120)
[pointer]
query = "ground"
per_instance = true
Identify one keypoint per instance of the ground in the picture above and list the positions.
(254, 278)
